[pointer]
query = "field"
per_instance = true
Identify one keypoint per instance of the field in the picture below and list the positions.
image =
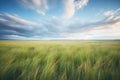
(59, 60)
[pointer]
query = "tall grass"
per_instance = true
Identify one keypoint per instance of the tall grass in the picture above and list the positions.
(59, 60)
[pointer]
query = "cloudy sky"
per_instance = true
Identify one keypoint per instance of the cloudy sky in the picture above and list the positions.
(60, 19)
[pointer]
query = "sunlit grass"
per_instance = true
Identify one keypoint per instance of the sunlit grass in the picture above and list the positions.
(59, 60)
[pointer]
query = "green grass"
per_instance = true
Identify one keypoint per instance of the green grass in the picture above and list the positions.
(59, 60)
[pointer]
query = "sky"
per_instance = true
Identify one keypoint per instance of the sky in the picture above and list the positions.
(59, 19)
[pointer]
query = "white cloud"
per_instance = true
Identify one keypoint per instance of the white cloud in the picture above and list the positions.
(106, 33)
(18, 27)
(112, 15)
(40, 12)
(40, 6)
(14, 21)
(108, 28)
(16, 37)
(19, 20)
(81, 3)
(69, 9)
(57, 29)
(109, 13)
(71, 6)
(112, 12)
(111, 30)
(98, 32)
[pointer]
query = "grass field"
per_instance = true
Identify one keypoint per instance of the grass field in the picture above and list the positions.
(59, 60)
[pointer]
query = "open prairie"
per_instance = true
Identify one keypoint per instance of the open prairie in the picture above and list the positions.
(59, 60)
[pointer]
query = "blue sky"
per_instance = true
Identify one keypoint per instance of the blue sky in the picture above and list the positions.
(60, 19)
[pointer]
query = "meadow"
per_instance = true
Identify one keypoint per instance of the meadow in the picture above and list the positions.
(59, 60)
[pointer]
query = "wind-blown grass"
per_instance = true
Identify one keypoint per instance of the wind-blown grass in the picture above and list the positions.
(59, 60)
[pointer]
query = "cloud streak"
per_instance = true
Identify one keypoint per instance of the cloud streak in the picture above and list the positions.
(108, 28)
(71, 6)
(40, 6)
(81, 3)
(12, 26)
(15, 27)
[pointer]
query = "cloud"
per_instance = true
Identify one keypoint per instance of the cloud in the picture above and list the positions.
(16, 22)
(69, 9)
(112, 12)
(71, 6)
(15, 37)
(108, 28)
(111, 19)
(112, 15)
(94, 32)
(40, 6)
(19, 20)
(81, 3)
(106, 33)
(13, 26)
